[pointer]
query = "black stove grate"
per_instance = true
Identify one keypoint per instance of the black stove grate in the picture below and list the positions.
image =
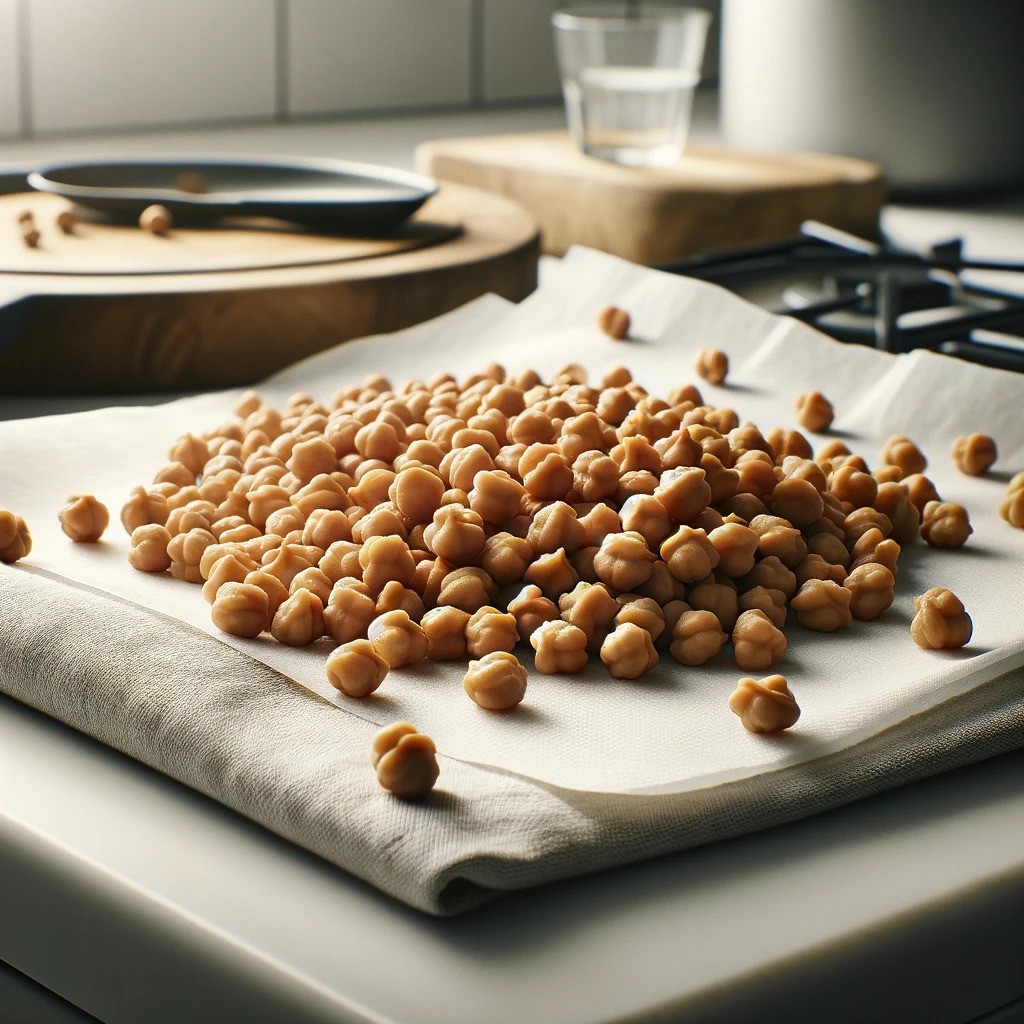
(879, 295)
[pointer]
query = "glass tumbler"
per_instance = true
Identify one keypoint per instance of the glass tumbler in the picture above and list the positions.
(628, 74)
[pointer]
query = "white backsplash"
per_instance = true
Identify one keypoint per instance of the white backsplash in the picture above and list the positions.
(71, 66)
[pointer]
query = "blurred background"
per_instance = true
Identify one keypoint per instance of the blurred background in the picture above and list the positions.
(69, 66)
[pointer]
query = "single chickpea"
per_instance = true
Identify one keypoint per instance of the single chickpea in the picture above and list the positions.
(628, 651)
(84, 518)
(893, 501)
(506, 558)
(757, 643)
(397, 639)
(591, 607)
(644, 612)
(416, 492)
(142, 508)
(689, 554)
(241, 609)
(623, 561)
(940, 621)
(276, 591)
(186, 550)
(777, 538)
(822, 605)
(405, 761)
(697, 637)
(872, 589)
(549, 478)
(531, 610)
(1012, 506)
(468, 588)
(684, 493)
(148, 552)
(712, 364)
(773, 603)
(299, 619)
(614, 322)
(773, 574)
(497, 681)
(901, 452)
(230, 568)
(325, 526)
(595, 475)
(15, 539)
(156, 220)
(600, 521)
(945, 525)
(445, 630)
(553, 527)
(287, 561)
(764, 705)
(489, 630)
(814, 412)
(974, 454)
(355, 668)
(553, 573)
(721, 599)
(456, 534)
(383, 559)
(796, 500)
(315, 581)
(736, 546)
(560, 647)
(349, 611)
(341, 559)
(644, 514)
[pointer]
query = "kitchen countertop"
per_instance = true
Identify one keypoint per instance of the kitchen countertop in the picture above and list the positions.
(139, 900)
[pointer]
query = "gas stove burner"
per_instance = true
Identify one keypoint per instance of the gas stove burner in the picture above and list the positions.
(876, 294)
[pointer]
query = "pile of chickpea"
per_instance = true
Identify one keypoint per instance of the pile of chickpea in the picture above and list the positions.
(459, 519)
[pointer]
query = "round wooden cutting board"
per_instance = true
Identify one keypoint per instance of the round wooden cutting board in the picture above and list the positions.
(112, 308)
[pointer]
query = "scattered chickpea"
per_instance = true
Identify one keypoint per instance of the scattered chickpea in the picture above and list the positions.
(614, 322)
(15, 539)
(67, 221)
(405, 761)
(84, 518)
(397, 639)
(1012, 506)
(814, 412)
(489, 630)
(764, 705)
(241, 609)
(712, 364)
(901, 452)
(944, 524)
(497, 681)
(156, 220)
(697, 637)
(299, 619)
(560, 647)
(445, 630)
(974, 454)
(940, 621)
(822, 605)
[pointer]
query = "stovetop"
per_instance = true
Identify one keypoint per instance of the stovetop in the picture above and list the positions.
(874, 293)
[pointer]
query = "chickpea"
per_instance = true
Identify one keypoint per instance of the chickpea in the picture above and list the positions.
(623, 561)
(283, 521)
(497, 681)
(697, 637)
(349, 611)
(156, 220)
(532, 609)
(287, 561)
(341, 559)
(600, 521)
(445, 630)
(496, 497)
(798, 501)
(467, 587)
(405, 761)
(299, 619)
(772, 602)
(901, 452)
(84, 518)
(689, 554)
(553, 574)
(355, 668)
(764, 705)
(383, 559)
(506, 558)
(315, 581)
(814, 412)
(232, 567)
(684, 493)
(736, 546)
(822, 605)
(455, 534)
(560, 647)
(276, 591)
(893, 500)
(644, 514)
(591, 607)
(596, 476)
(637, 455)
(325, 526)
(241, 609)
(974, 454)
(186, 550)
(397, 639)
(614, 322)
(644, 612)
(1012, 506)
(757, 642)
(712, 364)
(15, 539)
(554, 527)
(142, 508)
(777, 538)
(872, 589)
(940, 621)
(921, 490)
(489, 630)
(548, 479)
(945, 525)
(628, 651)
(312, 458)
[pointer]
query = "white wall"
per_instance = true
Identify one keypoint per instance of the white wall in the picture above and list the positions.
(83, 65)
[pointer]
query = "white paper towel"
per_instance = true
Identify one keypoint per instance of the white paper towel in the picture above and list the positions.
(672, 730)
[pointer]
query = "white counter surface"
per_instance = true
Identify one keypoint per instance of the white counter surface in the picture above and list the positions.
(141, 901)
